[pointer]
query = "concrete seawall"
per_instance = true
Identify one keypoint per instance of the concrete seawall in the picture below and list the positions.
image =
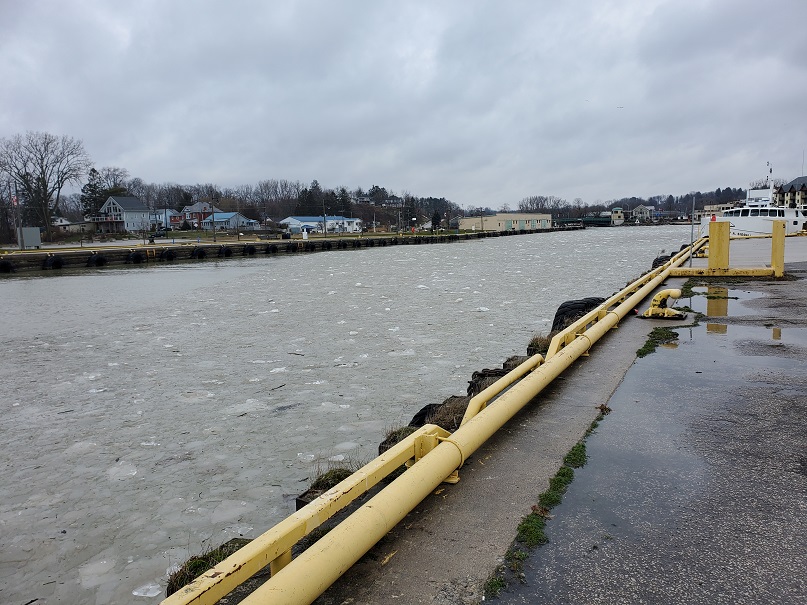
(56, 258)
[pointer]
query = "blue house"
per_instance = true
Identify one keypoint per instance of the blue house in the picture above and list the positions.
(229, 220)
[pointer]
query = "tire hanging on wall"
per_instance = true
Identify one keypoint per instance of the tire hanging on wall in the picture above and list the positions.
(570, 311)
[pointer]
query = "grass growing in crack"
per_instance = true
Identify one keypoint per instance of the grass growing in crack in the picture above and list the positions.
(550, 498)
(531, 530)
(494, 586)
(557, 487)
(658, 336)
(562, 479)
(576, 457)
(515, 558)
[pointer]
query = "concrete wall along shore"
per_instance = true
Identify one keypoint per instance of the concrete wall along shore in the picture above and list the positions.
(93, 257)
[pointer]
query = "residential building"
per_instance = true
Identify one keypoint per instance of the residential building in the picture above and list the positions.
(643, 214)
(196, 213)
(792, 195)
(334, 224)
(165, 218)
(121, 215)
(229, 220)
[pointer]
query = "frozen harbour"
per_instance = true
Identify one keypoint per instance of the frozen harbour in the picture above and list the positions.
(151, 412)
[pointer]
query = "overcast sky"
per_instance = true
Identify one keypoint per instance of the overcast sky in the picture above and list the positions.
(483, 103)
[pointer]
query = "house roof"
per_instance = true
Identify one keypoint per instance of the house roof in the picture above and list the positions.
(129, 204)
(225, 216)
(796, 183)
(200, 207)
(316, 219)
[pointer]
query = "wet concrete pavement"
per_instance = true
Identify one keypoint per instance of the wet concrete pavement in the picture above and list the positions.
(696, 488)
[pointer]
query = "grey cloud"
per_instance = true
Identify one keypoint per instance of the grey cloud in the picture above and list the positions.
(476, 101)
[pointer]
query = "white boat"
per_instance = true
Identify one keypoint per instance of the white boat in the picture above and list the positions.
(756, 216)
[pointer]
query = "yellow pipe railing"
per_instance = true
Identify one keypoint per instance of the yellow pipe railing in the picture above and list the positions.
(478, 402)
(274, 546)
(437, 456)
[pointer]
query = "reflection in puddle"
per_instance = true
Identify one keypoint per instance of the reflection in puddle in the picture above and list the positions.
(716, 328)
(719, 301)
(722, 302)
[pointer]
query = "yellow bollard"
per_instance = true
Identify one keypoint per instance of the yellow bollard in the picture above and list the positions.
(778, 248)
(719, 244)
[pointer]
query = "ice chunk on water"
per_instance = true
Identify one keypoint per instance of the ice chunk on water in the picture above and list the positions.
(122, 470)
(147, 590)
(94, 573)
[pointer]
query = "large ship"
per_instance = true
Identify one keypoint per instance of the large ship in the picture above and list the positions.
(756, 215)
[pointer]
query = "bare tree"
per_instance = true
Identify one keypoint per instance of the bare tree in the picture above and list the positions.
(40, 164)
(71, 207)
(113, 177)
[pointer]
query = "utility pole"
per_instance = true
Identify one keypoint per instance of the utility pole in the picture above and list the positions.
(16, 204)
(213, 217)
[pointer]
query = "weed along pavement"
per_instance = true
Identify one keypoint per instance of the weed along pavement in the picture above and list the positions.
(695, 484)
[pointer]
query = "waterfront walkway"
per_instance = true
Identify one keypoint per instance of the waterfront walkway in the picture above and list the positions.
(695, 491)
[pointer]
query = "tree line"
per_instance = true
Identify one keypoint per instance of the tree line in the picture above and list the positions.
(37, 167)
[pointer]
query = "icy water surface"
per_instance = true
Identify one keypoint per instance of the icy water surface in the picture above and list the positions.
(151, 412)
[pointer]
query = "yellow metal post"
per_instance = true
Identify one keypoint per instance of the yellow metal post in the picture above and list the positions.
(719, 237)
(778, 248)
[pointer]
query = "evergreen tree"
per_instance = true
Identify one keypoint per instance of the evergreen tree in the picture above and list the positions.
(93, 194)
(343, 202)
(436, 221)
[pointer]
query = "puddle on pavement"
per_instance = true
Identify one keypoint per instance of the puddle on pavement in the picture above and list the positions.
(717, 301)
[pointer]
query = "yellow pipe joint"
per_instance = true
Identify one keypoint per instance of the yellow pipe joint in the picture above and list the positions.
(658, 306)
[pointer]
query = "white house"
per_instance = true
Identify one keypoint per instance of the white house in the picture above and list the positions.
(229, 220)
(643, 214)
(334, 224)
(120, 215)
